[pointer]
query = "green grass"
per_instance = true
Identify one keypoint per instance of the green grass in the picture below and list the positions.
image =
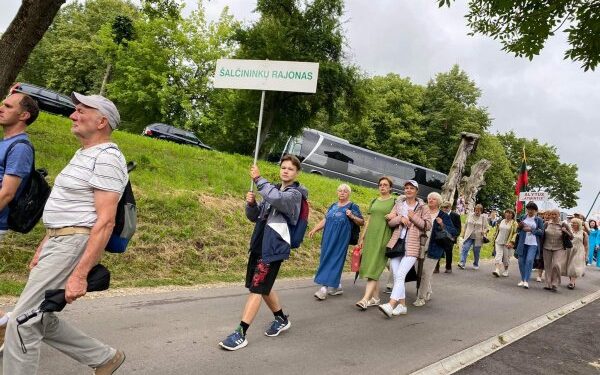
(192, 228)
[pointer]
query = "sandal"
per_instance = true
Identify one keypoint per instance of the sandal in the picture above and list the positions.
(362, 304)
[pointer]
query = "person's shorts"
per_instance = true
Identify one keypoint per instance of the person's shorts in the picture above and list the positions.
(260, 276)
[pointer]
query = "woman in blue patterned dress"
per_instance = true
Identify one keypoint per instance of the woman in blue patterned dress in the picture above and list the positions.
(336, 227)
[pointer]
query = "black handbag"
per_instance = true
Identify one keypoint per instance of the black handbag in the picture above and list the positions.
(398, 250)
(354, 232)
(566, 240)
(443, 238)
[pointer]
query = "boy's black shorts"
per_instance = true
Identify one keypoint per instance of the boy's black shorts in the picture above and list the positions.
(260, 276)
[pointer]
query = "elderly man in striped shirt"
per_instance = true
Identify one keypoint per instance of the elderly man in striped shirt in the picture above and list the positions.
(79, 217)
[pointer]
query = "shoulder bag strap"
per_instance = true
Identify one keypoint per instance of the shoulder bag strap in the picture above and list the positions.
(12, 145)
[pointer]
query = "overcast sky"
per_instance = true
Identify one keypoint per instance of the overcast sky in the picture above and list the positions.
(548, 98)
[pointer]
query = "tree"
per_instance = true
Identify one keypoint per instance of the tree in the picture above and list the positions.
(22, 35)
(287, 30)
(69, 57)
(498, 191)
(122, 33)
(450, 107)
(524, 26)
(164, 73)
(547, 173)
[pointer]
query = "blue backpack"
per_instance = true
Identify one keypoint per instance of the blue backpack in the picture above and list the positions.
(298, 231)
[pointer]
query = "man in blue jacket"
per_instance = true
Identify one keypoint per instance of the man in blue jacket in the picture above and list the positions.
(270, 245)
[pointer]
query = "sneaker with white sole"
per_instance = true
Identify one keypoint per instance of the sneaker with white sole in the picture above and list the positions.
(278, 325)
(400, 309)
(520, 283)
(373, 302)
(419, 302)
(235, 341)
(475, 267)
(461, 266)
(320, 295)
(387, 309)
(388, 290)
(525, 285)
(505, 274)
(335, 291)
(538, 279)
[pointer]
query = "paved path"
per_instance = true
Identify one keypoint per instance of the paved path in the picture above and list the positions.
(177, 333)
(571, 345)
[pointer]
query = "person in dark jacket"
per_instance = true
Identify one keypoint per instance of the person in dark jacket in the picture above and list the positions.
(455, 218)
(435, 248)
(270, 245)
(530, 232)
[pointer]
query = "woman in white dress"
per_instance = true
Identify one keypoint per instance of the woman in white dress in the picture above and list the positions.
(576, 255)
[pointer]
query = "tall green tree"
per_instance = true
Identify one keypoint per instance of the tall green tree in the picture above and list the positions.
(547, 172)
(287, 30)
(164, 73)
(450, 105)
(524, 26)
(68, 58)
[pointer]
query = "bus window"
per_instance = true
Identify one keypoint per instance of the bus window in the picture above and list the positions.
(420, 175)
(435, 180)
(339, 156)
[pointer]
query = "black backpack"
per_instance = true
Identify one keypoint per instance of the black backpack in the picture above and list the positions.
(354, 231)
(125, 219)
(26, 210)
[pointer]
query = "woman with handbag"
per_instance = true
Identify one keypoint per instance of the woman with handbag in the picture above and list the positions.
(594, 246)
(337, 230)
(576, 255)
(530, 232)
(439, 237)
(476, 228)
(557, 238)
(373, 239)
(503, 243)
(410, 218)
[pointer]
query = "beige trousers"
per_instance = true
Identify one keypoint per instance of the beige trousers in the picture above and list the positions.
(57, 260)
(426, 276)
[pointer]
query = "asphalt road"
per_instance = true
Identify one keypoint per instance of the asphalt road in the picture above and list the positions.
(571, 345)
(177, 333)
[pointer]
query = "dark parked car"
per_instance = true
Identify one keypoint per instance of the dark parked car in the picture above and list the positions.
(173, 134)
(48, 100)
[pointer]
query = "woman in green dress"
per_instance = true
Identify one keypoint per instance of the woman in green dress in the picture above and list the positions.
(376, 235)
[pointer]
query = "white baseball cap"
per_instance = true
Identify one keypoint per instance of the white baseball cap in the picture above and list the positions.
(103, 105)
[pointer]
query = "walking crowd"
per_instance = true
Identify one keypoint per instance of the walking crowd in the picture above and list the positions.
(409, 235)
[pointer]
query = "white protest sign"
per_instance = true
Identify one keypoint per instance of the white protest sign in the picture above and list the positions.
(267, 75)
(533, 196)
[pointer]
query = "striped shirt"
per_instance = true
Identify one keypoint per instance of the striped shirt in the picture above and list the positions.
(71, 203)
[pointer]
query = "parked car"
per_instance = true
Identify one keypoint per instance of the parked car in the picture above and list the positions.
(173, 134)
(48, 100)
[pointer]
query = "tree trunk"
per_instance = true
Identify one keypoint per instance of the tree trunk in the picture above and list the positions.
(466, 147)
(23, 34)
(105, 79)
(472, 184)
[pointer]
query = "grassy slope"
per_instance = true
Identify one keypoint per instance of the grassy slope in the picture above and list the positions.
(192, 227)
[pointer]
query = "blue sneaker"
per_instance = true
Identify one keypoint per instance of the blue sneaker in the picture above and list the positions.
(235, 341)
(279, 324)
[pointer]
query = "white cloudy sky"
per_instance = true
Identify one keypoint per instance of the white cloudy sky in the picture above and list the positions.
(548, 98)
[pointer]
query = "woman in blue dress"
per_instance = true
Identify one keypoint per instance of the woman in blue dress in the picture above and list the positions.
(337, 228)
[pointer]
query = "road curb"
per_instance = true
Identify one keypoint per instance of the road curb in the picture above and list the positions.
(466, 357)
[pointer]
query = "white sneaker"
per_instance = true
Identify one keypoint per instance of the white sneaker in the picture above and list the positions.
(428, 296)
(525, 285)
(320, 295)
(475, 267)
(505, 274)
(419, 302)
(520, 283)
(335, 291)
(538, 279)
(400, 309)
(387, 309)
(373, 302)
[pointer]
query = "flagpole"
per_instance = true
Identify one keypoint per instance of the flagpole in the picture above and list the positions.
(260, 117)
(592, 207)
